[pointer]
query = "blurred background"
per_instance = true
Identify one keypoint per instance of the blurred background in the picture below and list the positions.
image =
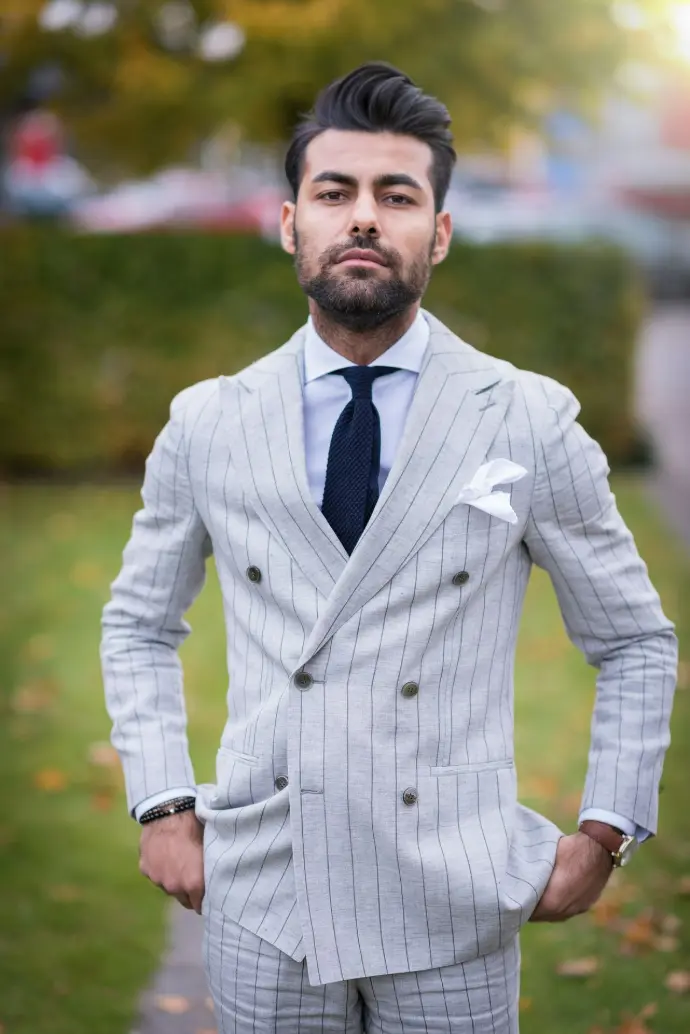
(141, 149)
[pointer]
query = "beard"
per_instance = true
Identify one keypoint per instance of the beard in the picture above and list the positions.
(358, 299)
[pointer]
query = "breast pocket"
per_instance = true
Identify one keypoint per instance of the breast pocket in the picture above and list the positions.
(477, 766)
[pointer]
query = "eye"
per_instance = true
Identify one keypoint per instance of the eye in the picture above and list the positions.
(331, 195)
(399, 199)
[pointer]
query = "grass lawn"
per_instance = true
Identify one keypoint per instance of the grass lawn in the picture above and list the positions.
(81, 930)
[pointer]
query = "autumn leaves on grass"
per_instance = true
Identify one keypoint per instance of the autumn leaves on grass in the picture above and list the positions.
(649, 930)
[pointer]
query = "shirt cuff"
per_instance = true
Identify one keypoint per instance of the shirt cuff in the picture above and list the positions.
(628, 827)
(161, 798)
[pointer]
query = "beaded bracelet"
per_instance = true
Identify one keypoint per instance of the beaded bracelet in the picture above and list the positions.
(172, 807)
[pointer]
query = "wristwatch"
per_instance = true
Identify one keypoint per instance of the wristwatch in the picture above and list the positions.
(620, 846)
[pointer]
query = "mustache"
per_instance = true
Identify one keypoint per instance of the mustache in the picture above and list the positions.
(335, 253)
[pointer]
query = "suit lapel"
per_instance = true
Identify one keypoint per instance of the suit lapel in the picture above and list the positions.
(457, 409)
(263, 411)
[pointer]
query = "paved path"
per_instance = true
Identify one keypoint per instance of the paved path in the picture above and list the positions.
(663, 404)
(180, 983)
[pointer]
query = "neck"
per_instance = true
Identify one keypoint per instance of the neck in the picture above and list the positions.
(361, 348)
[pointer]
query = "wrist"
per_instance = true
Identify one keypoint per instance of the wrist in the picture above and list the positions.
(617, 844)
(594, 847)
(184, 822)
(172, 806)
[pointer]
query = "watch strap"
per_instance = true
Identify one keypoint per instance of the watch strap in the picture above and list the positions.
(609, 837)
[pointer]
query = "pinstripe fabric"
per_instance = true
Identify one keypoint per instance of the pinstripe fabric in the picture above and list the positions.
(335, 868)
(258, 990)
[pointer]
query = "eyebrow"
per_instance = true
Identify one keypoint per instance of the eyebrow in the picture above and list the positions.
(388, 179)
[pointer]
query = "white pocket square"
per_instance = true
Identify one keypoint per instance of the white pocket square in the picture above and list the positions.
(479, 491)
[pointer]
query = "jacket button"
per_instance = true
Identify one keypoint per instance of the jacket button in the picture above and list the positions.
(281, 782)
(410, 795)
(253, 574)
(461, 578)
(410, 689)
(303, 680)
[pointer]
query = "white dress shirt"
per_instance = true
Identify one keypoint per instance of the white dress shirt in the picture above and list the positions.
(325, 397)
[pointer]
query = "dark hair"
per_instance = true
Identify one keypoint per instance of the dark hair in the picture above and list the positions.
(377, 98)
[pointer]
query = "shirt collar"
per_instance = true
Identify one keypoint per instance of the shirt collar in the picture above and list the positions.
(407, 353)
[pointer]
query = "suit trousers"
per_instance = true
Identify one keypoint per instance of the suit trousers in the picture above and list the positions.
(257, 989)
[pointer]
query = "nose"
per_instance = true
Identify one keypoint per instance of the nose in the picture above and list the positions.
(364, 221)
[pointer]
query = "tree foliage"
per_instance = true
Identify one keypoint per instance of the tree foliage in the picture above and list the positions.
(132, 102)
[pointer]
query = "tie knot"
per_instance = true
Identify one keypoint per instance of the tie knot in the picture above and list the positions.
(361, 378)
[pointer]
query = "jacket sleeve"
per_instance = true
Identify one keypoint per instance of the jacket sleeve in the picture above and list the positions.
(163, 570)
(610, 609)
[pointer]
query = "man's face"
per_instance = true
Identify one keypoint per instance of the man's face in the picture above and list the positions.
(364, 231)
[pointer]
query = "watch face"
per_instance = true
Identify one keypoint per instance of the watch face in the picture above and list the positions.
(628, 849)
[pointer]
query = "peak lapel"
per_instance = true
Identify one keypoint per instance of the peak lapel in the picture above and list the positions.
(263, 412)
(457, 409)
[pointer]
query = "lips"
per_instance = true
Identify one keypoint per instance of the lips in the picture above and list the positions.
(363, 256)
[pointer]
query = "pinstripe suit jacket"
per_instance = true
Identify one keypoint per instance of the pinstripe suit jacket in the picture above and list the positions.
(335, 866)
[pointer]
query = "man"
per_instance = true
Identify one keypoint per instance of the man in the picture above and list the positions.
(374, 494)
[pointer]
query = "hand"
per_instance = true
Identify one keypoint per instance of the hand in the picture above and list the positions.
(580, 874)
(171, 854)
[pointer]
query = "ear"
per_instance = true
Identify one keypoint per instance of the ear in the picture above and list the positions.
(444, 234)
(287, 227)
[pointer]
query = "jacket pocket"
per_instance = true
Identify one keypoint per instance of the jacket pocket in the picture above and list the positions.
(239, 755)
(476, 766)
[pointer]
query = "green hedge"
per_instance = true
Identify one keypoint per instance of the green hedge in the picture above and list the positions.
(98, 333)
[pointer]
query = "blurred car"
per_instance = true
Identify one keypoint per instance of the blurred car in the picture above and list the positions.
(39, 178)
(181, 198)
(658, 243)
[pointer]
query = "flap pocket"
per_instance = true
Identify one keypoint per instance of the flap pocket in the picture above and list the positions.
(477, 766)
(239, 755)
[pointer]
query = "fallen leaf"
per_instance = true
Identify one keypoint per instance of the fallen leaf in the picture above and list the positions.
(666, 943)
(21, 729)
(632, 1025)
(102, 801)
(104, 754)
(683, 886)
(546, 648)
(584, 967)
(174, 1004)
(678, 981)
(637, 1024)
(545, 787)
(39, 647)
(525, 1004)
(34, 696)
(570, 805)
(639, 932)
(671, 923)
(604, 913)
(607, 910)
(50, 779)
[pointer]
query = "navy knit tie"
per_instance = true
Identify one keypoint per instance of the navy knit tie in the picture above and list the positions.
(354, 457)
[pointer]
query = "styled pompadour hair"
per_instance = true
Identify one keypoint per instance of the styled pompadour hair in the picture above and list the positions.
(377, 98)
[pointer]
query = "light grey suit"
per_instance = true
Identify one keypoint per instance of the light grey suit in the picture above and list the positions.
(336, 866)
